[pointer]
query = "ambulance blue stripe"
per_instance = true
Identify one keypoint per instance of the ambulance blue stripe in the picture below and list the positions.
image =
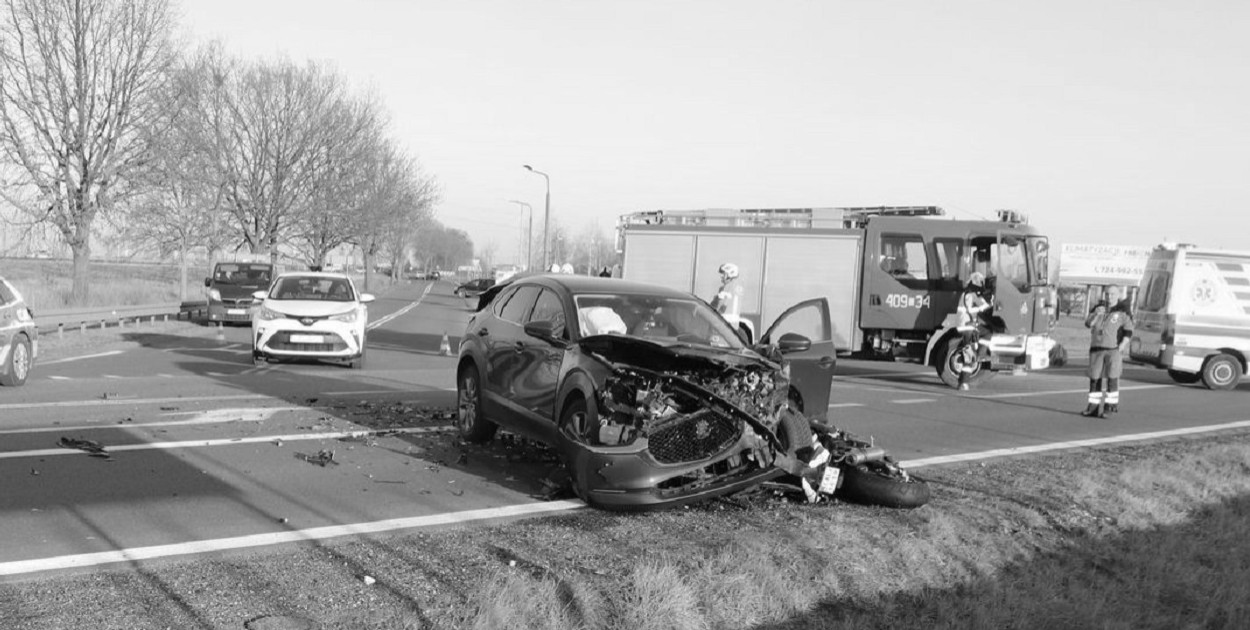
(1228, 267)
(1213, 331)
(1242, 296)
(1237, 281)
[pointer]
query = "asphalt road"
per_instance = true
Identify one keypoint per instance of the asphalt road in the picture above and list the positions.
(208, 453)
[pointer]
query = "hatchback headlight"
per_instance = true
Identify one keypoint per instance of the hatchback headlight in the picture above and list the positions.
(266, 314)
(348, 318)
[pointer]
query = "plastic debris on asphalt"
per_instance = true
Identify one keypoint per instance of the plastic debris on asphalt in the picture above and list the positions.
(92, 447)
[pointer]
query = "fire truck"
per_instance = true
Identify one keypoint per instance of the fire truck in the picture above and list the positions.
(892, 275)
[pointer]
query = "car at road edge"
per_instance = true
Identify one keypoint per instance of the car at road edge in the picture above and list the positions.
(647, 394)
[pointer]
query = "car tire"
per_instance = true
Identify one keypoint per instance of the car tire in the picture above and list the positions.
(1221, 371)
(948, 366)
(20, 361)
(1184, 378)
(473, 424)
(794, 431)
(358, 363)
(873, 484)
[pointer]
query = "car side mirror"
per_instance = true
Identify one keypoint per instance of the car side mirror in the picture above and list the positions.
(259, 295)
(208, 282)
(544, 330)
(366, 298)
(793, 342)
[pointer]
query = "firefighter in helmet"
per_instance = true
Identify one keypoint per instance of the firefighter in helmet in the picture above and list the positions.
(728, 300)
(974, 312)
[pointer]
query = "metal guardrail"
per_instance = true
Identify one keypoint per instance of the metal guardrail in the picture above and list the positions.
(103, 316)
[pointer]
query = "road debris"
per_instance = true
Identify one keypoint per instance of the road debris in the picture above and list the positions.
(368, 580)
(93, 448)
(323, 458)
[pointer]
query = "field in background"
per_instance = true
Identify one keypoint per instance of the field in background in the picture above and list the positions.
(46, 284)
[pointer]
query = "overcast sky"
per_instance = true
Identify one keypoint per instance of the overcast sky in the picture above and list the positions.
(1106, 121)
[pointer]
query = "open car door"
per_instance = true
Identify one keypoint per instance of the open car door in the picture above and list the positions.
(811, 369)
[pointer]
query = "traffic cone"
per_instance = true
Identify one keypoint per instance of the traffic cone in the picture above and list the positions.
(444, 346)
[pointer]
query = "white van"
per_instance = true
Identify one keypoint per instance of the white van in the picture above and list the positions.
(1193, 315)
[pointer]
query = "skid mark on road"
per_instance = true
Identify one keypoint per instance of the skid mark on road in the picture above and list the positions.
(135, 554)
(1074, 444)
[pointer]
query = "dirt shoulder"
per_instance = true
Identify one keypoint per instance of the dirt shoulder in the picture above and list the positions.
(1013, 543)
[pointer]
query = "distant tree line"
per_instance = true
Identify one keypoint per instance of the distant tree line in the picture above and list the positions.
(104, 119)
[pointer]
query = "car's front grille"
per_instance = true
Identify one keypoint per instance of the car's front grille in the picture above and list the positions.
(282, 342)
(697, 436)
(238, 303)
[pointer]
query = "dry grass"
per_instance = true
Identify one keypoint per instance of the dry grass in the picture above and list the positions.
(1134, 542)
(46, 284)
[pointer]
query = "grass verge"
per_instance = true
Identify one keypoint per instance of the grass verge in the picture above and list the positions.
(1149, 536)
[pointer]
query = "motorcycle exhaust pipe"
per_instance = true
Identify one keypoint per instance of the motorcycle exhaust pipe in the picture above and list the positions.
(865, 455)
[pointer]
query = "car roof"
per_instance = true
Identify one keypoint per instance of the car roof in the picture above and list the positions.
(315, 274)
(595, 284)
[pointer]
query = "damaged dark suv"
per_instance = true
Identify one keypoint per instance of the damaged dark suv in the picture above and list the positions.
(650, 397)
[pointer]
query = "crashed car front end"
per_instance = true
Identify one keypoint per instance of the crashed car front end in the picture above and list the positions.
(703, 428)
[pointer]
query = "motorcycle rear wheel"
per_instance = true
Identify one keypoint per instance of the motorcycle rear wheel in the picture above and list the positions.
(874, 484)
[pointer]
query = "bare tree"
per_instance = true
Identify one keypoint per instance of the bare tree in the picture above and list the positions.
(267, 122)
(77, 82)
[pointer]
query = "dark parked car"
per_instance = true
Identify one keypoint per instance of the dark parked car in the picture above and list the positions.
(646, 392)
(474, 288)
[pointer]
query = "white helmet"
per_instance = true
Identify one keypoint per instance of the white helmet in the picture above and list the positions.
(976, 279)
(729, 270)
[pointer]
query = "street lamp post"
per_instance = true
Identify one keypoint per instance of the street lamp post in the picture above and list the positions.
(529, 241)
(546, 212)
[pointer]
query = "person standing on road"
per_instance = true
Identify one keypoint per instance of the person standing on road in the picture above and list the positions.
(728, 300)
(1111, 330)
(973, 309)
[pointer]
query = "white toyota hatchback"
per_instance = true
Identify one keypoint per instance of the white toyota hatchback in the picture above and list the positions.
(310, 315)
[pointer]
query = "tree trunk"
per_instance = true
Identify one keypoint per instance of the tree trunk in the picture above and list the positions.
(82, 273)
(368, 267)
(182, 272)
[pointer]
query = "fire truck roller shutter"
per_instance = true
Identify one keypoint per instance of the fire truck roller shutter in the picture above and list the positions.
(800, 268)
(667, 257)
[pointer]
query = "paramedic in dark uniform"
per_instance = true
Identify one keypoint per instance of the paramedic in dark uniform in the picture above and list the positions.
(1111, 329)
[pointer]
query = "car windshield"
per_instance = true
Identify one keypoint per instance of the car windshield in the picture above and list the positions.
(657, 318)
(312, 288)
(238, 273)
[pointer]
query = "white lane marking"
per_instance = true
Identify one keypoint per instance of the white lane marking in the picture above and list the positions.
(401, 311)
(913, 401)
(85, 356)
(131, 401)
(134, 554)
(213, 416)
(59, 378)
(841, 405)
(253, 439)
(1074, 444)
(112, 376)
(1083, 390)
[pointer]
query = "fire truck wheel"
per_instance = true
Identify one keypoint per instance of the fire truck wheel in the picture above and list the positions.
(950, 362)
(876, 485)
(1221, 371)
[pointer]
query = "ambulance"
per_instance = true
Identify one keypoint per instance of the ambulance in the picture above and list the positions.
(1193, 314)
